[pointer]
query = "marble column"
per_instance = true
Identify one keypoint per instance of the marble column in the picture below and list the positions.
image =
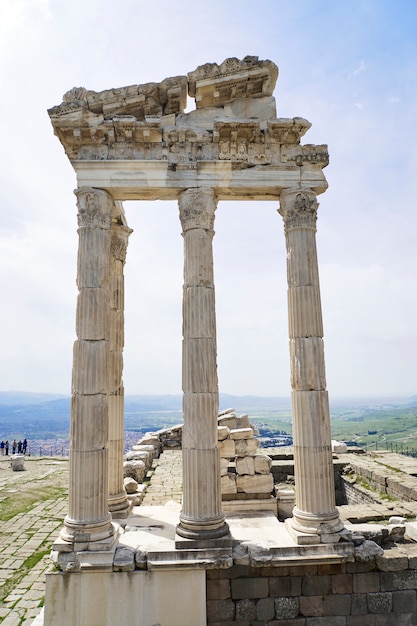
(88, 519)
(118, 503)
(315, 509)
(201, 516)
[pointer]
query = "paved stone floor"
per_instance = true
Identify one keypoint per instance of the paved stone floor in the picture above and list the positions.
(37, 500)
(26, 538)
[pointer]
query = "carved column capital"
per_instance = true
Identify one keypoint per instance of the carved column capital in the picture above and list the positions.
(94, 208)
(119, 241)
(197, 207)
(298, 208)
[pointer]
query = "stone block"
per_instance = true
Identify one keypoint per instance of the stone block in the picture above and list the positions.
(224, 466)
(241, 433)
(265, 609)
(396, 581)
(316, 585)
(243, 421)
(342, 583)
(218, 589)
(286, 608)
(220, 610)
(228, 483)
(286, 502)
(222, 432)
(124, 560)
(285, 586)
(245, 465)
(130, 484)
(368, 551)
(228, 420)
(227, 449)
(263, 464)
(245, 610)
(311, 606)
(337, 604)
(250, 588)
(379, 602)
(259, 483)
(135, 470)
(17, 462)
(246, 447)
(359, 604)
(404, 601)
(392, 560)
(411, 530)
(366, 582)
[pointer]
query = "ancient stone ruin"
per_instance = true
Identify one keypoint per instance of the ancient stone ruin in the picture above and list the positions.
(138, 143)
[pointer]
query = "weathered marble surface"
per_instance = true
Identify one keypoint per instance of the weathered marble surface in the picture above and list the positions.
(234, 126)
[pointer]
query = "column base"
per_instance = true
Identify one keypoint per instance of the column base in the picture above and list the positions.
(202, 529)
(76, 533)
(322, 528)
(119, 506)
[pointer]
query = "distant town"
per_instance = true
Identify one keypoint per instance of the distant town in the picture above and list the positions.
(44, 420)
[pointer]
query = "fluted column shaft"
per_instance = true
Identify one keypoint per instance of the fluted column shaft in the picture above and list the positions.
(201, 516)
(118, 502)
(315, 510)
(88, 519)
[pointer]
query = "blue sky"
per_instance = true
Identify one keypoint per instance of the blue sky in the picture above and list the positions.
(349, 68)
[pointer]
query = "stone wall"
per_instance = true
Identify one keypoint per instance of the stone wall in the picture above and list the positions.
(379, 592)
(355, 495)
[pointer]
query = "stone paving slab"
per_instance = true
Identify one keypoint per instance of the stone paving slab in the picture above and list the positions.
(29, 534)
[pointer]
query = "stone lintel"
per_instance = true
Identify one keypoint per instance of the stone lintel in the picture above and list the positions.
(156, 180)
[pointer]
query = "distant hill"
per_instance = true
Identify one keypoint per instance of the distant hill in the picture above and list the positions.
(25, 414)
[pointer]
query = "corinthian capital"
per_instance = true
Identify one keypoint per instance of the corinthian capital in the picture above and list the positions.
(197, 206)
(298, 208)
(94, 207)
(119, 241)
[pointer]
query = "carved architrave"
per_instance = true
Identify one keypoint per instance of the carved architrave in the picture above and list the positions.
(298, 208)
(94, 208)
(197, 207)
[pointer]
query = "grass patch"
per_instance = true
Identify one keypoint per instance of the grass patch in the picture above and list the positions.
(27, 496)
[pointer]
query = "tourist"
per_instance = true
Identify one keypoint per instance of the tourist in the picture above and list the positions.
(24, 445)
(6, 445)
(2, 448)
(14, 446)
(19, 447)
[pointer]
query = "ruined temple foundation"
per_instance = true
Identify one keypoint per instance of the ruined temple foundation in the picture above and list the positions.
(137, 143)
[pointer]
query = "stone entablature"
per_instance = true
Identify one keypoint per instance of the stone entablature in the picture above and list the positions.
(234, 125)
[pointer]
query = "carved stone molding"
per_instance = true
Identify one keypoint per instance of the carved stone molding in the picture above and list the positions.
(216, 85)
(94, 208)
(197, 207)
(119, 242)
(298, 208)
